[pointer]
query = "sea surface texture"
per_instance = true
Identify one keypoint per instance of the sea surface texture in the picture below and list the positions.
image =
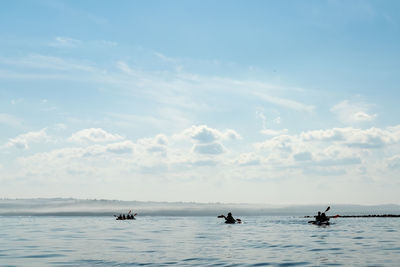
(197, 241)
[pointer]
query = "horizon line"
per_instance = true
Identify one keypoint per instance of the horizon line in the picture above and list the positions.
(201, 203)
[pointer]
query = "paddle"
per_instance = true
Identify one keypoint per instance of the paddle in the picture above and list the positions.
(327, 209)
(336, 216)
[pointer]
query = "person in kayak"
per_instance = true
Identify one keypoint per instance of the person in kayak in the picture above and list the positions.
(318, 217)
(229, 218)
(323, 218)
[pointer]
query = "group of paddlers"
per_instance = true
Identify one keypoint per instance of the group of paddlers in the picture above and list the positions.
(129, 216)
(228, 219)
(320, 218)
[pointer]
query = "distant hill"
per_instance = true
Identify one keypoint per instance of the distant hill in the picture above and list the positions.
(102, 207)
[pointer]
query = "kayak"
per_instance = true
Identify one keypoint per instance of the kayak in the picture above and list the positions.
(233, 222)
(319, 222)
(230, 220)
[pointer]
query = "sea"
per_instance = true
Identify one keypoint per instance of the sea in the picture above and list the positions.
(197, 241)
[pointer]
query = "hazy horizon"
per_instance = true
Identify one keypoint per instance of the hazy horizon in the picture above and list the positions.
(196, 202)
(87, 207)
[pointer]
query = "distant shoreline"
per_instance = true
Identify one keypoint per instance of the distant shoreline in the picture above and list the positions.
(94, 207)
(363, 216)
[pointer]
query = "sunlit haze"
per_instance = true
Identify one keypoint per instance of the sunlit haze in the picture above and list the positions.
(275, 102)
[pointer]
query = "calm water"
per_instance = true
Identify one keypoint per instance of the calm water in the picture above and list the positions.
(197, 241)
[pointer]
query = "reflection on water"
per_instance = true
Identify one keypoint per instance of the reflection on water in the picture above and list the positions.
(200, 241)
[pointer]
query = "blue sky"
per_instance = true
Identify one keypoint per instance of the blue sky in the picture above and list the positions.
(231, 101)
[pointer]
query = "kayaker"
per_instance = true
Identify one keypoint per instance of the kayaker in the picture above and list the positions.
(323, 217)
(229, 218)
(318, 217)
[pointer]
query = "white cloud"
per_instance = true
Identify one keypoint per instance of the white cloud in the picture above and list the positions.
(209, 149)
(274, 132)
(335, 134)
(230, 134)
(38, 61)
(16, 101)
(277, 120)
(371, 137)
(355, 137)
(262, 117)
(303, 156)
(284, 102)
(94, 135)
(265, 129)
(22, 141)
(203, 163)
(206, 140)
(156, 145)
(351, 113)
(10, 120)
(60, 126)
(204, 135)
(362, 116)
(281, 142)
(345, 149)
(280, 161)
(90, 161)
(342, 150)
(126, 147)
(65, 42)
(147, 156)
(124, 67)
(393, 162)
(107, 43)
(248, 159)
(183, 91)
(164, 57)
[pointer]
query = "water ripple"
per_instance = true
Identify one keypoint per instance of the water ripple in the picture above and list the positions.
(44, 256)
(196, 241)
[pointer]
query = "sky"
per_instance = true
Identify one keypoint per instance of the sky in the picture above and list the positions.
(275, 102)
